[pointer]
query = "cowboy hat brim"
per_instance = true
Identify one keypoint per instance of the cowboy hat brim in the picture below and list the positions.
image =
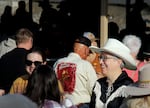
(127, 58)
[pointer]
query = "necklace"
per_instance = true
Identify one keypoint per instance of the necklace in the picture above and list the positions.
(109, 90)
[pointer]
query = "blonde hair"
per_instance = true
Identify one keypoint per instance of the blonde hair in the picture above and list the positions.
(23, 35)
(139, 102)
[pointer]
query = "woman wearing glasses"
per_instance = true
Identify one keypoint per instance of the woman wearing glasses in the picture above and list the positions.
(34, 58)
(114, 57)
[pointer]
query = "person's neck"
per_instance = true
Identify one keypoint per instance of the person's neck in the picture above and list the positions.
(113, 77)
(23, 46)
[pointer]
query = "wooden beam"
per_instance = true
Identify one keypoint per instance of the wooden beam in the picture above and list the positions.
(30, 8)
(103, 22)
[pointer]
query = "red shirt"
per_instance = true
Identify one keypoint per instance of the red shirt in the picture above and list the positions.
(133, 74)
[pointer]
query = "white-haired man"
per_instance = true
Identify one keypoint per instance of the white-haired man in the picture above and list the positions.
(134, 43)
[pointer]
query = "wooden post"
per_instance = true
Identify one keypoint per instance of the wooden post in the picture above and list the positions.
(30, 8)
(103, 22)
(127, 11)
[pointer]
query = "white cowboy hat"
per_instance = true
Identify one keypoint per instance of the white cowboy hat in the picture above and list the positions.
(117, 48)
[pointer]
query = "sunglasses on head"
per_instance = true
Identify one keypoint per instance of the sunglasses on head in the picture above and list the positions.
(36, 63)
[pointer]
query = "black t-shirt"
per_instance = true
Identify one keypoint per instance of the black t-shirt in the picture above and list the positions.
(12, 65)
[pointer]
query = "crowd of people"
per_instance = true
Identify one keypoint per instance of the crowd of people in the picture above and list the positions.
(89, 76)
(58, 25)
(74, 81)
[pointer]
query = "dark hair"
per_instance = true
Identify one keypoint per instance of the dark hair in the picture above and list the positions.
(43, 84)
(40, 51)
(83, 40)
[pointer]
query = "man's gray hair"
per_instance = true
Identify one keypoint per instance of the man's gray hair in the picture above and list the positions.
(133, 42)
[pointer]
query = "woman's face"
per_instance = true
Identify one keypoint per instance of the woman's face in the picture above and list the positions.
(33, 59)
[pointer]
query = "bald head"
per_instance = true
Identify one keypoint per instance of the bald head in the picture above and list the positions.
(81, 49)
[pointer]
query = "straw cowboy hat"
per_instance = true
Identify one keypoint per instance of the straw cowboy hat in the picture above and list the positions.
(90, 36)
(117, 48)
(140, 88)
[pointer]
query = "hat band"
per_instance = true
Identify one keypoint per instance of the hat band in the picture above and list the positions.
(144, 84)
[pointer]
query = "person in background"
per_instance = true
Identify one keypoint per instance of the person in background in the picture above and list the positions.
(12, 64)
(6, 25)
(113, 30)
(16, 101)
(146, 52)
(2, 92)
(93, 57)
(135, 22)
(114, 57)
(34, 58)
(91, 37)
(22, 18)
(43, 88)
(134, 44)
(7, 45)
(76, 74)
(138, 94)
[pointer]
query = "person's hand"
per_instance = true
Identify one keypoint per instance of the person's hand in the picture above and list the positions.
(2, 92)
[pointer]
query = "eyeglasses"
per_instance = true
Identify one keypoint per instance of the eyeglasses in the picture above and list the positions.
(104, 57)
(36, 63)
